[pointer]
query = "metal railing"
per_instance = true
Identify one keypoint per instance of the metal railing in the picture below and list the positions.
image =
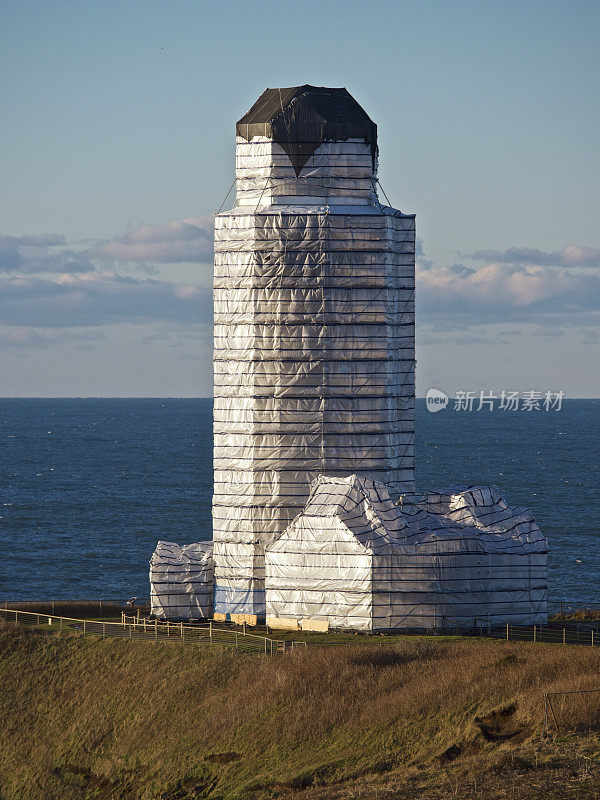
(96, 606)
(549, 707)
(550, 634)
(207, 632)
(143, 629)
(559, 632)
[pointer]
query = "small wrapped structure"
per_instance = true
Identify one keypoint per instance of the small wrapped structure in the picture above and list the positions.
(181, 581)
(456, 558)
(314, 327)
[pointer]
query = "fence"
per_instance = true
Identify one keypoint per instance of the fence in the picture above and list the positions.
(584, 633)
(94, 607)
(552, 634)
(549, 707)
(146, 630)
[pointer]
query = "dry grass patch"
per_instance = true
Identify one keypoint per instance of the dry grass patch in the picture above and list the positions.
(109, 719)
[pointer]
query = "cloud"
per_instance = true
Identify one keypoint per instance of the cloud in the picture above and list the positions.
(18, 339)
(50, 286)
(99, 298)
(34, 254)
(185, 240)
(573, 255)
(420, 254)
(499, 291)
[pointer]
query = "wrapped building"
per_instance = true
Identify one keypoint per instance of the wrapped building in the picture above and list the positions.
(315, 516)
(314, 327)
(181, 581)
(461, 558)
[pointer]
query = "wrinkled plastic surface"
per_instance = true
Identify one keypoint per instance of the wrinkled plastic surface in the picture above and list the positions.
(181, 581)
(314, 347)
(436, 560)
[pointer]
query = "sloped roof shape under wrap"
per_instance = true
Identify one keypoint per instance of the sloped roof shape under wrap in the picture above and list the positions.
(459, 557)
(301, 118)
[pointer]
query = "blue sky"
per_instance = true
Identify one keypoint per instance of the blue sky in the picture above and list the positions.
(117, 139)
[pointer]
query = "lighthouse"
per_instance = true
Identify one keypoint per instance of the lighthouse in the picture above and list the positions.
(314, 327)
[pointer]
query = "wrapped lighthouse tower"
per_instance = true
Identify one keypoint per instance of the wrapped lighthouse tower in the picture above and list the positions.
(314, 327)
(316, 522)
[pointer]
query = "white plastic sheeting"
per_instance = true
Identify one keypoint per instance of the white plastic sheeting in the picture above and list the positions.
(434, 560)
(339, 173)
(314, 347)
(181, 581)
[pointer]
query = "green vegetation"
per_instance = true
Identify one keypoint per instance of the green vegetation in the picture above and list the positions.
(111, 719)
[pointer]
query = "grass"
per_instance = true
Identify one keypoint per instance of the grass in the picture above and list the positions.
(577, 615)
(86, 718)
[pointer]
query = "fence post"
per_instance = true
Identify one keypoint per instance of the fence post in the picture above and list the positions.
(534, 633)
(130, 632)
(104, 630)
(592, 637)
(564, 636)
(552, 711)
(84, 627)
(210, 630)
(60, 629)
(507, 637)
(101, 614)
(182, 634)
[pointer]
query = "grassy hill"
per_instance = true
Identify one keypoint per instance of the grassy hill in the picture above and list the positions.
(113, 720)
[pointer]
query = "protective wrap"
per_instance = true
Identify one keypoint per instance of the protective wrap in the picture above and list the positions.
(314, 346)
(434, 560)
(181, 581)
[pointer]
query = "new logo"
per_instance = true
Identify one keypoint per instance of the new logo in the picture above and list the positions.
(435, 400)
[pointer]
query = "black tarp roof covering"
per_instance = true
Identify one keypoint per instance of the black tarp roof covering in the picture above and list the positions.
(301, 118)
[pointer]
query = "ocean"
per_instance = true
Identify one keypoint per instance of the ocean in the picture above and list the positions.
(88, 486)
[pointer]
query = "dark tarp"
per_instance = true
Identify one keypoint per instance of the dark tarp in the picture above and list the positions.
(301, 118)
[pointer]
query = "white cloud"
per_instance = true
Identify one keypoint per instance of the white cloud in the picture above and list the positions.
(99, 298)
(43, 253)
(185, 240)
(503, 291)
(49, 286)
(573, 255)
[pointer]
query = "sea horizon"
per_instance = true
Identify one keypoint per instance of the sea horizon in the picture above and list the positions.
(91, 484)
